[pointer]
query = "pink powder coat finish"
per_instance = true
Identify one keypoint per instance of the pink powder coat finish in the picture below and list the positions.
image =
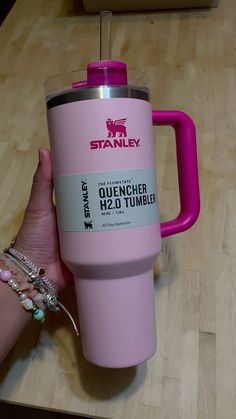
(113, 270)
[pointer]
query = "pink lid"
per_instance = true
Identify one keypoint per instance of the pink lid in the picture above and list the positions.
(117, 319)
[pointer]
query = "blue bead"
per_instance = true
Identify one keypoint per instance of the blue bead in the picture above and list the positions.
(38, 314)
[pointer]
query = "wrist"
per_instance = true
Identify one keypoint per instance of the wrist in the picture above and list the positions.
(15, 319)
(18, 282)
(37, 282)
(27, 250)
(38, 260)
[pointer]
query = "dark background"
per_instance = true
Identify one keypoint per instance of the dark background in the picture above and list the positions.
(5, 7)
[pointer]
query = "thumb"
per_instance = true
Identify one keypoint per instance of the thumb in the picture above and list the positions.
(40, 201)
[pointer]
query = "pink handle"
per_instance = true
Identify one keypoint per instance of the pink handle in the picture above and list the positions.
(186, 151)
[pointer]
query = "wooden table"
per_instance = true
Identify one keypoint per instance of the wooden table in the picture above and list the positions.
(190, 57)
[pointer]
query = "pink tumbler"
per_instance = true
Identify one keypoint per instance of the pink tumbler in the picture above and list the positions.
(102, 145)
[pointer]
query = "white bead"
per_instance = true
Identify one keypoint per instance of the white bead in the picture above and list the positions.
(27, 304)
(23, 296)
(11, 281)
(13, 284)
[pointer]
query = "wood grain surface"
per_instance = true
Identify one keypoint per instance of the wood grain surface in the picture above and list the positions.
(190, 57)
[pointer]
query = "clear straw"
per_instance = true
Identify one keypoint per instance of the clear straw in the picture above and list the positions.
(105, 35)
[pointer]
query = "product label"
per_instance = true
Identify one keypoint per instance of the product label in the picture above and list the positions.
(106, 200)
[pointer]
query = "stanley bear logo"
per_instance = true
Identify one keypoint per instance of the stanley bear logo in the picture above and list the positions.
(88, 225)
(116, 127)
(116, 137)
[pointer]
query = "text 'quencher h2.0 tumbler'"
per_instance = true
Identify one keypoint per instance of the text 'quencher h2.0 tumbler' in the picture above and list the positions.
(102, 143)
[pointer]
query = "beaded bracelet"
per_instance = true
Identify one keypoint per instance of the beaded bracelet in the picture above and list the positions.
(46, 293)
(25, 285)
(27, 303)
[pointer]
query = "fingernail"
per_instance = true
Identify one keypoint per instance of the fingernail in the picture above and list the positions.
(40, 155)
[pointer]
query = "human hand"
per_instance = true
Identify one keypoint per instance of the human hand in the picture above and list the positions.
(38, 235)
